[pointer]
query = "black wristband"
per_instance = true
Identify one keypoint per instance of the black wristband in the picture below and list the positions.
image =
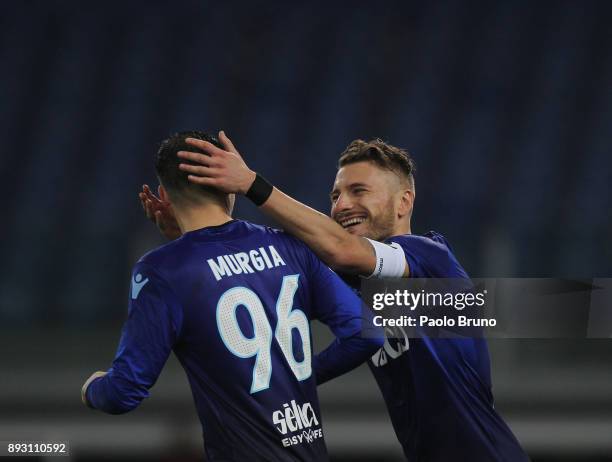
(260, 190)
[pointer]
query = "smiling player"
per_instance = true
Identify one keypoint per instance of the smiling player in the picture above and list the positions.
(437, 391)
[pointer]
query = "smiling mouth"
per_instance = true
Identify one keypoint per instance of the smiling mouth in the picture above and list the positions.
(350, 222)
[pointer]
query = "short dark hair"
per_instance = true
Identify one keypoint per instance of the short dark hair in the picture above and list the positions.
(382, 154)
(175, 180)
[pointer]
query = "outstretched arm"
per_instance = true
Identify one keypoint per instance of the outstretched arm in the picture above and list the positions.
(226, 170)
(338, 248)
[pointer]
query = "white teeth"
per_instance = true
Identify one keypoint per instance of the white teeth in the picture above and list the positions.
(352, 221)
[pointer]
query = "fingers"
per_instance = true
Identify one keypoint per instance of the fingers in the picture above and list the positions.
(149, 194)
(158, 211)
(149, 210)
(227, 143)
(145, 193)
(205, 146)
(198, 170)
(145, 207)
(142, 198)
(202, 180)
(198, 158)
(149, 202)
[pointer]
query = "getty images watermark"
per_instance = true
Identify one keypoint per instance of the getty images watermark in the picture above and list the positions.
(500, 307)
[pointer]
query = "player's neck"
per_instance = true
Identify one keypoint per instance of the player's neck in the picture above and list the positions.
(403, 227)
(193, 218)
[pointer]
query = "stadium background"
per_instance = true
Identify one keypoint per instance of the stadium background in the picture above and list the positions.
(506, 107)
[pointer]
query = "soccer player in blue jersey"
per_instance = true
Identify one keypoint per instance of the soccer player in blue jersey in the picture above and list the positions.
(233, 301)
(437, 390)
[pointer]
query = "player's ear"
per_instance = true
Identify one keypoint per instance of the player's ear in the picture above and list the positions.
(231, 200)
(406, 203)
(163, 194)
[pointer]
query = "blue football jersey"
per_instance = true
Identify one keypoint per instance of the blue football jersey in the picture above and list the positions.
(438, 390)
(234, 302)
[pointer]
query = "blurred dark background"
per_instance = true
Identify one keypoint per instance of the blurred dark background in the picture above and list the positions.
(506, 107)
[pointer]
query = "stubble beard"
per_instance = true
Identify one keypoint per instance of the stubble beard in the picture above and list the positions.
(381, 226)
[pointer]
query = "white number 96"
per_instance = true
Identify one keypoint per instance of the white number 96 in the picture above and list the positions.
(260, 344)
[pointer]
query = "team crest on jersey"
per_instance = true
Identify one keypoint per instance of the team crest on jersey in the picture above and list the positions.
(298, 422)
(396, 344)
(137, 284)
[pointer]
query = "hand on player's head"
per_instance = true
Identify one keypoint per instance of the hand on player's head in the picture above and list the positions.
(159, 212)
(227, 143)
(219, 168)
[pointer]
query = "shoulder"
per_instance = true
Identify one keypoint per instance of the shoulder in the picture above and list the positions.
(251, 227)
(429, 255)
(281, 236)
(431, 241)
(284, 242)
(267, 231)
(160, 255)
(292, 247)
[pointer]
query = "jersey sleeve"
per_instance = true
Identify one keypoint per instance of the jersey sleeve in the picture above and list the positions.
(390, 260)
(429, 256)
(337, 306)
(152, 328)
(413, 250)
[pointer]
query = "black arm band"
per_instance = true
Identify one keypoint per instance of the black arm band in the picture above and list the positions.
(260, 190)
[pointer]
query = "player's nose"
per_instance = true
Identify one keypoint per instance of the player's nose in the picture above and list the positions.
(343, 203)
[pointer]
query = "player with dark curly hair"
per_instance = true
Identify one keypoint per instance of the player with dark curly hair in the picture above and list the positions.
(233, 301)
